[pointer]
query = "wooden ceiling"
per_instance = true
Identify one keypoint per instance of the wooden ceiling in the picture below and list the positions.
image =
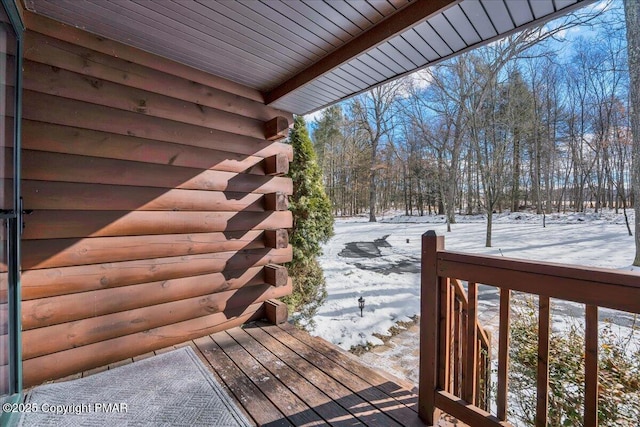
(304, 55)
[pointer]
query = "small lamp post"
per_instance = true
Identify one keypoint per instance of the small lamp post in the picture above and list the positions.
(361, 305)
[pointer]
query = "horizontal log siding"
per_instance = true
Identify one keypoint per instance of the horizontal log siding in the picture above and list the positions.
(151, 203)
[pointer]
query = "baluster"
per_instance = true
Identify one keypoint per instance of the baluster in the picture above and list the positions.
(445, 335)
(472, 338)
(457, 318)
(503, 353)
(543, 362)
(591, 367)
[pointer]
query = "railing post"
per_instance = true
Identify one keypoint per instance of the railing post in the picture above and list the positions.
(429, 316)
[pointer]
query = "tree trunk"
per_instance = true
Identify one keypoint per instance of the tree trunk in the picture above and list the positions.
(515, 177)
(632, 15)
(489, 227)
(372, 185)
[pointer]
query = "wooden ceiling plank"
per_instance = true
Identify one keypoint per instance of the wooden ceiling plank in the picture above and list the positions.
(390, 62)
(427, 32)
(398, 55)
(520, 11)
(447, 32)
(373, 63)
(479, 19)
(366, 77)
(459, 20)
(413, 38)
(387, 28)
(194, 58)
(401, 44)
(308, 16)
(383, 7)
(346, 10)
(245, 17)
(374, 72)
(499, 15)
(277, 19)
(213, 24)
(163, 25)
(327, 10)
(542, 8)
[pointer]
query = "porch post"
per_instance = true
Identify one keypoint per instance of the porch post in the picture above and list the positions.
(429, 300)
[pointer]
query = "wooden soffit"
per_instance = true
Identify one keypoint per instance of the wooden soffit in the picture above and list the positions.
(303, 55)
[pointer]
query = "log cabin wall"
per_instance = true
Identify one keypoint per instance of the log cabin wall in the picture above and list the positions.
(158, 202)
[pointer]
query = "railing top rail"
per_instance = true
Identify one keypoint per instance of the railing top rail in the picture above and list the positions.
(618, 290)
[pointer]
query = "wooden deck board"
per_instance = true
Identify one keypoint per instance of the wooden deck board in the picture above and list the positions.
(245, 392)
(280, 376)
(378, 398)
(294, 408)
(363, 410)
(315, 399)
(398, 389)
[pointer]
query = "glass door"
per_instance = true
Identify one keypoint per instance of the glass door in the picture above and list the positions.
(10, 209)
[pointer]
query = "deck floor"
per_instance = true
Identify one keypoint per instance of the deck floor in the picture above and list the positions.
(282, 376)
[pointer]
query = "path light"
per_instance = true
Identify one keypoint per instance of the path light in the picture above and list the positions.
(361, 305)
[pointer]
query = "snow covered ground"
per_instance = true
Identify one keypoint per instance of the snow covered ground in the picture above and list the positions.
(380, 262)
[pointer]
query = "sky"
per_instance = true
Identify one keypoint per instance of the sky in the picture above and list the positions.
(612, 12)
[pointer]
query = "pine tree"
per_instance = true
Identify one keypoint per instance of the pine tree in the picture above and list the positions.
(312, 224)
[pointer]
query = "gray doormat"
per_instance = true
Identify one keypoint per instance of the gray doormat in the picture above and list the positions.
(171, 389)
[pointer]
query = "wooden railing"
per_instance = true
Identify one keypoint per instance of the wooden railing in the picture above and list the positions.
(469, 348)
(454, 375)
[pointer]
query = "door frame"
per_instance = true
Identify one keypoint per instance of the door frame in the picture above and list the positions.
(14, 319)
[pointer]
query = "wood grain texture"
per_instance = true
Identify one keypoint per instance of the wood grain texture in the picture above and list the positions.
(294, 408)
(276, 275)
(55, 81)
(41, 136)
(460, 409)
(38, 313)
(471, 339)
(503, 354)
(318, 401)
(52, 109)
(79, 224)
(151, 203)
(363, 410)
(51, 195)
(63, 363)
(201, 85)
(47, 253)
(276, 239)
(276, 128)
(358, 378)
(605, 288)
(591, 367)
(542, 377)
(42, 166)
(276, 165)
(67, 280)
(429, 331)
(244, 390)
(37, 342)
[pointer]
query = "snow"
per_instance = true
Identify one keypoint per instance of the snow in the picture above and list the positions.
(390, 282)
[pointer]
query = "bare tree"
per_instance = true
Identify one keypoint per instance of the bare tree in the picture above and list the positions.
(632, 18)
(373, 113)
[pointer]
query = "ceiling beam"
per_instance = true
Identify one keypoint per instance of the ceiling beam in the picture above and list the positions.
(407, 17)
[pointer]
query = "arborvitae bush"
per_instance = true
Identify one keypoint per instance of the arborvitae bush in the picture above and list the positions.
(619, 372)
(312, 224)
